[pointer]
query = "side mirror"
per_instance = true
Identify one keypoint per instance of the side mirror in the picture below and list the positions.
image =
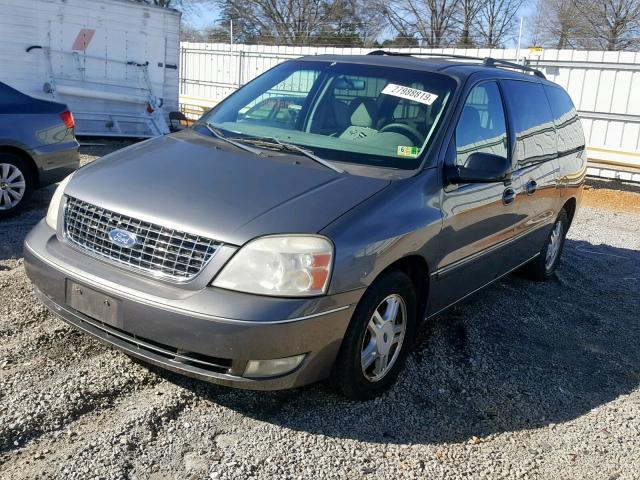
(480, 168)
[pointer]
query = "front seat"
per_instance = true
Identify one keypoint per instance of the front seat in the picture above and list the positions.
(363, 116)
(332, 117)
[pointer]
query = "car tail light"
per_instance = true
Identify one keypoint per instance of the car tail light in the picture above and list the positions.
(67, 118)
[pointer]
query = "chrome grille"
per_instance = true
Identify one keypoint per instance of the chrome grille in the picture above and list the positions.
(159, 251)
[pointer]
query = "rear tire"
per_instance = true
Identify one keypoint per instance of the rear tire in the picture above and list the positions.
(16, 184)
(544, 265)
(375, 346)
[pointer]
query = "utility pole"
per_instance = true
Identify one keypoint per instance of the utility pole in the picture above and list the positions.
(231, 35)
(519, 41)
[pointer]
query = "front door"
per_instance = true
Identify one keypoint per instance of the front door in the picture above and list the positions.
(478, 219)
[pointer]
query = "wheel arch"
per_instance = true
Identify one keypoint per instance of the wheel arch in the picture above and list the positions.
(19, 152)
(416, 268)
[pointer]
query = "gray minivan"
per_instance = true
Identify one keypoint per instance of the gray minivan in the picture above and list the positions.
(307, 225)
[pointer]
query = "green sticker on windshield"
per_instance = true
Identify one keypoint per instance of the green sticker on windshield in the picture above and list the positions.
(412, 152)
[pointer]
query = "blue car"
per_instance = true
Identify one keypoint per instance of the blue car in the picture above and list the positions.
(38, 147)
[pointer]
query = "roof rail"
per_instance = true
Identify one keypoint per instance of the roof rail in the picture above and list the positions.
(486, 61)
(496, 62)
(440, 55)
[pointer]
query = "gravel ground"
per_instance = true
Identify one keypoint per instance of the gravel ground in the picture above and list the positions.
(524, 380)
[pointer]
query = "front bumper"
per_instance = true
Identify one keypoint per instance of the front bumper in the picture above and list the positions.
(205, 333)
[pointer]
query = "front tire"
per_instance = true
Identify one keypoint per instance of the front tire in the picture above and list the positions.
(379, 336)
(16, 184)
(544, 265)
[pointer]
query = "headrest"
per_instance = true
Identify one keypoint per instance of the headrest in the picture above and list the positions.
(363, 112)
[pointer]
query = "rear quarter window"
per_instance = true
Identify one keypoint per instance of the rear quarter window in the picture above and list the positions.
(533, 121)
(565, 118)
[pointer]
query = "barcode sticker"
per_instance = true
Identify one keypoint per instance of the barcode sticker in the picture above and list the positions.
(409, 93)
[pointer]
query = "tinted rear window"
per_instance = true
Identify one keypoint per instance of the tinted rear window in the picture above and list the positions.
(565, 118)
(535, 133)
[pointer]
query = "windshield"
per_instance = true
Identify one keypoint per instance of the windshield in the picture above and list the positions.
(343, 112)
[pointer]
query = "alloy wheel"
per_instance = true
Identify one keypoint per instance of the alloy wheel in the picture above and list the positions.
(555, 240)
(383, 338)
(13, 186)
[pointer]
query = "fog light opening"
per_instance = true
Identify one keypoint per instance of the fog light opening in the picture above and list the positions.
(272, 368)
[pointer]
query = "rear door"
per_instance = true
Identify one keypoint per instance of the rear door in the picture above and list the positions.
(571, 152)
(535, 160)
(478, 219)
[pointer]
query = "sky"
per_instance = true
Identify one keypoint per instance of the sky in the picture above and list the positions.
(200, 17)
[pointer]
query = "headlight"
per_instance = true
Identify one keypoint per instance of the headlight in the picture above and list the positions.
(286, 266)
(54, 206)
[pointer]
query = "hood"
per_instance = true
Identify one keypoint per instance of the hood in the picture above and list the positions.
(204, 186)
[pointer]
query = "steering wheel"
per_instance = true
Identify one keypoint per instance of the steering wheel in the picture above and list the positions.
(411, 133)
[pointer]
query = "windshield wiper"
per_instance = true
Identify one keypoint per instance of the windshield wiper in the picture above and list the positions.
(271, 142)
(218, 134)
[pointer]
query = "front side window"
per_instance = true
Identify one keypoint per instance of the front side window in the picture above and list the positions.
(481, 127)
(535, 133)
(343, 112)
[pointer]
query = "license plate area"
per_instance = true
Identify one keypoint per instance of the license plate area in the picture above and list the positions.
(94, 304)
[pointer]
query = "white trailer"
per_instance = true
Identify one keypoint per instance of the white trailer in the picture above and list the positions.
(114, 62)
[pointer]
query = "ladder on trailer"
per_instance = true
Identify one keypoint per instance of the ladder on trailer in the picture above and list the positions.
(147, 121)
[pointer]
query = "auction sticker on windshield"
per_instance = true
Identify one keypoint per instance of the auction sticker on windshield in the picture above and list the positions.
(409, 93)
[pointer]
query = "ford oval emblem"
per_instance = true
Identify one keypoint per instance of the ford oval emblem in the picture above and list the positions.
(122, 238)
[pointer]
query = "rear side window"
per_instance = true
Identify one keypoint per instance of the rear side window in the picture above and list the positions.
(565, 118)
(481, 127)
(535, 133)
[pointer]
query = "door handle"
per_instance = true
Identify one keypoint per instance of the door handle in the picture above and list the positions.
(531, 187)
(508, 196)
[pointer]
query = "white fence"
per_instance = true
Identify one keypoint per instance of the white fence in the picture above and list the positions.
(605, 87)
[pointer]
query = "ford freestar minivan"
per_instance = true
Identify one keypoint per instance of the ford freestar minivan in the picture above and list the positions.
(309, 223)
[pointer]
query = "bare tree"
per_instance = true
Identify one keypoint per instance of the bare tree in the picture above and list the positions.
(495, 22)
(294, 22)
(609, 24)
(466, 16)
(557, 24)
(432, 21)
(589, 24)
(372, 22)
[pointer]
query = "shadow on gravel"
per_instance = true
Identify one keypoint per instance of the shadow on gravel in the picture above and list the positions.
(518, 355)
(14, 230)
